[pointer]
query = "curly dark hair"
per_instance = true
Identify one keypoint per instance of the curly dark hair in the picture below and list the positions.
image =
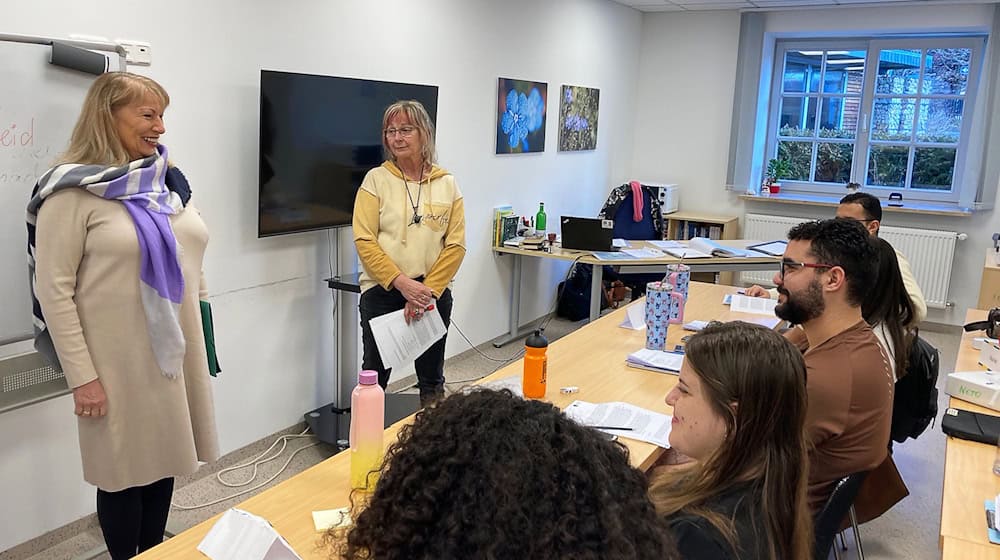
(490, 475)
(843, 243)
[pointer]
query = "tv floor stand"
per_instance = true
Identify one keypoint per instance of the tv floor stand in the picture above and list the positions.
(332, 422)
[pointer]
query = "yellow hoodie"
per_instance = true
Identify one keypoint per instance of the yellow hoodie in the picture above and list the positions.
(390, 244)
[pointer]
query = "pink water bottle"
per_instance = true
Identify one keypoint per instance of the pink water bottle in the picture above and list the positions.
(367, 426)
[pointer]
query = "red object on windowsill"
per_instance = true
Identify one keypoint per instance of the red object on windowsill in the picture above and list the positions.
(775, 188)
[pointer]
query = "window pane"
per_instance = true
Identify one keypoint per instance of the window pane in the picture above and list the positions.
(940, 120)
(798, 116)
(898, 71)
(947, 71)
(802, 71)
(839, 117)
(845, 71)
(887, 165)
(933, 168)
(892, 118)
(833, 162)
(799, 157)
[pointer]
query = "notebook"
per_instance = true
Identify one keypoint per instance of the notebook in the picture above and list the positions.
(587, 234)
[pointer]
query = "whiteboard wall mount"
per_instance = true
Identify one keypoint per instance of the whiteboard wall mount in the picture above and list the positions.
(139, 53)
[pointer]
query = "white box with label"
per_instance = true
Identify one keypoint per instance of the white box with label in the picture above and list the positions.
(979, 387)
(989, 356)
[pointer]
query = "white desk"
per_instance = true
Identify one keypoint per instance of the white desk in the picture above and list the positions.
(659, 264)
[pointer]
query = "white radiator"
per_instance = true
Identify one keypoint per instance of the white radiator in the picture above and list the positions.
(930, 252)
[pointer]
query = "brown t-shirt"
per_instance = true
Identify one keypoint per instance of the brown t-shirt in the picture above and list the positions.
(850, 387)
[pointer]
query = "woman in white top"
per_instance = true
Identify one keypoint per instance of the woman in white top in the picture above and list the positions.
(887, 308)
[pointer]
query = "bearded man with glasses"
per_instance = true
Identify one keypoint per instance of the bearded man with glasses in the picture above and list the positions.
(824, 273)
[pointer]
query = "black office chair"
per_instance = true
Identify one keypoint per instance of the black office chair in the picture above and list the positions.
(828, 520)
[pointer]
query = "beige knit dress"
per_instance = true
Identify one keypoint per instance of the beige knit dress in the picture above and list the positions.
(87, 282)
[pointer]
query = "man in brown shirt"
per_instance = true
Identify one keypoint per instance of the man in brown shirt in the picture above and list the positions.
(825, 270)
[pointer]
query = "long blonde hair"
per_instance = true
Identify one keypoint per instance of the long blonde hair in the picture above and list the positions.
(418, 117)
(765, 444)
(95, 137)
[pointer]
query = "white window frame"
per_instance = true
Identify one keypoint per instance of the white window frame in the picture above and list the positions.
(873, 46)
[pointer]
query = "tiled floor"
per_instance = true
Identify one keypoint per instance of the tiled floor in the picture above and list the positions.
(909, 530)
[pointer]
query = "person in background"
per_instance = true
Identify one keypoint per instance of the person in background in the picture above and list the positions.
(115, 252)
(889, 309)
(867, 210)
(826, 268)
(409, 230)
(743, 495)
(491, 475)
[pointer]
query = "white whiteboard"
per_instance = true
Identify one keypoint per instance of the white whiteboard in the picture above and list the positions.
(39, 104)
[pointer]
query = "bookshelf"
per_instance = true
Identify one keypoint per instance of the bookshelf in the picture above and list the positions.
(685, 225)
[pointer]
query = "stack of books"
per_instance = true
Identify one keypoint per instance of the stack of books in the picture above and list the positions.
(535, 243)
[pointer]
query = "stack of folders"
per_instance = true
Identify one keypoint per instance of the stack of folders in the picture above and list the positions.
(656, 360)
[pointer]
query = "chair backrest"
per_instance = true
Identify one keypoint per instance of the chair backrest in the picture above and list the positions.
(828, 520)
(618, 207)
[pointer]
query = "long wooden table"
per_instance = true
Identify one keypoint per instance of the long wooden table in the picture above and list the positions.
(659, 264)
(591, 358)
(968, 473)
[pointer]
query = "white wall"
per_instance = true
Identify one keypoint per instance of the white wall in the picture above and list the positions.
(686, 82)
(271, 309)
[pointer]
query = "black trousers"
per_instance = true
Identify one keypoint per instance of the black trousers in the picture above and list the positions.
(378, 301)
(134, 519)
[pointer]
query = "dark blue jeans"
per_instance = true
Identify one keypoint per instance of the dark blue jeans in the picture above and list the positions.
(378, 301)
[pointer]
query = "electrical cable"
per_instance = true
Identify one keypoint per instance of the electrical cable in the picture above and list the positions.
(255, 462)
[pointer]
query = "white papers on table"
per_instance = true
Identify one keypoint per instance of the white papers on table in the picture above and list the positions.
(773, 248)
(512, 383)
(324, 520)
(635, 317)
(728, 298)
(611, 255)
(754, 305)
(620, 243)
(239, 535)
(657, 360)
(715, 249)
(687, 253)
(399, 343)
(665, 243)
(646, 425)
(644, 253)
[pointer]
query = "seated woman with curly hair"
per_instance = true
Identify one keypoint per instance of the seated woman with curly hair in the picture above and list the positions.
(739, 411)
(490, 475)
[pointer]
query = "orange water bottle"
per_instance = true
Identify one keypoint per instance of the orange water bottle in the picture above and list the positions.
(367, 426)
(535, 366)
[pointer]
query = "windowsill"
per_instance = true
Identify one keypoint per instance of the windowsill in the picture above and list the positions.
(832, 202)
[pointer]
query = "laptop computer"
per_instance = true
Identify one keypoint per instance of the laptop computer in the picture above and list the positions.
(587, 234)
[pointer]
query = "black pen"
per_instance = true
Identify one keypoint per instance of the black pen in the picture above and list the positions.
(611, 428)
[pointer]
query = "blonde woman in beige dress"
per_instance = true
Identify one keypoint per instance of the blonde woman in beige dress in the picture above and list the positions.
(115, 251)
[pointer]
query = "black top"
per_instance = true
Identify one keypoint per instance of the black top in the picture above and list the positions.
(698, 539)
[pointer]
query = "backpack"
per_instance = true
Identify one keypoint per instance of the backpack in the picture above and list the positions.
(573, 295)
(915, 402)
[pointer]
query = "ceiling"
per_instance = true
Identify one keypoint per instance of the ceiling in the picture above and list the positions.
(703, 5)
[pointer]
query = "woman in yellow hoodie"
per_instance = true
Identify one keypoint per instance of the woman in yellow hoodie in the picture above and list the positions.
(409, 230)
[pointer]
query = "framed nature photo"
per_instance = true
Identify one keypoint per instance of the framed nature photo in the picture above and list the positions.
(520, 116)
(578, 109)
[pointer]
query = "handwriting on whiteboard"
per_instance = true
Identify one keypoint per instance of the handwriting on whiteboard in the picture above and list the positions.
(14, 136)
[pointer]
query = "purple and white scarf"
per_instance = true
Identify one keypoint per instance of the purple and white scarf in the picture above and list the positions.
(141, 187)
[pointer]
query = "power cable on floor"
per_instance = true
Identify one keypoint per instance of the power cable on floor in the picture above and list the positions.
(255, 462)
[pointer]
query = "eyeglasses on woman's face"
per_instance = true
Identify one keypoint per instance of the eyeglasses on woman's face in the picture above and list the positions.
(404, 131)
(788, 265)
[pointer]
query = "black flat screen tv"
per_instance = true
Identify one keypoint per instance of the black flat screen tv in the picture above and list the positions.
(319, 135)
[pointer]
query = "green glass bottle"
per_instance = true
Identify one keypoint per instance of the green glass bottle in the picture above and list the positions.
(540, 218)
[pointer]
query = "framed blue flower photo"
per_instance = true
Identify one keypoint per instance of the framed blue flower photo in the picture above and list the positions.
(521, 116)
(578, 109)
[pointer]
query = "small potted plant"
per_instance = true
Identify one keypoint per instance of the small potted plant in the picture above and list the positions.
(853, 187)
(776, 169)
